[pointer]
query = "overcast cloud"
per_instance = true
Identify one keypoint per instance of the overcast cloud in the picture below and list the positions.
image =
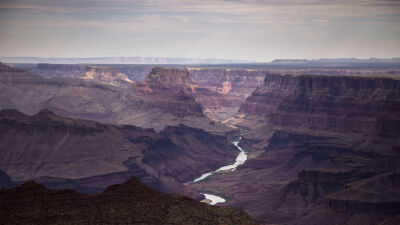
(232, 29)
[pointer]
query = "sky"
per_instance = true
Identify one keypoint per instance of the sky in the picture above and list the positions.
(227, 29)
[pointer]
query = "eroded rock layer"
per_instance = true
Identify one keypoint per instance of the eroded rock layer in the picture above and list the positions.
(138, 103)
(221, 91)
(323, 150)
(87, 155)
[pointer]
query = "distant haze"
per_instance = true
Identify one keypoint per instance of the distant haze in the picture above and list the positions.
(225, 29)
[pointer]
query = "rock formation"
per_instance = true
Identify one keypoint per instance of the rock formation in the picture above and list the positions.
(128, 203)
(86, 155)
(323, 150)
(171, 78)
(221, 91)
(136, 104)
(107, 75)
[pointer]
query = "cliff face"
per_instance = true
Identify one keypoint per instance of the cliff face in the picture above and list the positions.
(107, 75)
(239, 82)
(175, 79)
(357, 105)
(323, 102)
(311, 137)
(87, 155)
(128, 203)
(221, 91)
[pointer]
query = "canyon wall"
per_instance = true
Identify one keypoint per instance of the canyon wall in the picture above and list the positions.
(322, 150)
(221, 91)
(62, 152)
(135, 103)
(323, 103)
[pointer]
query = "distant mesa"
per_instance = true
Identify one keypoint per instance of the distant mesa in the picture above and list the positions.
(121, 60)
(171, 78)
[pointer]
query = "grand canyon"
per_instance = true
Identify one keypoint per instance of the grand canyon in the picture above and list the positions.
(286, 145)
(223, 112)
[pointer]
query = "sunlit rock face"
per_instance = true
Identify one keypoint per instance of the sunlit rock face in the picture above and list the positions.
(107, 75)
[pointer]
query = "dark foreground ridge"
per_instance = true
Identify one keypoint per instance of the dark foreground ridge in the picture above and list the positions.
(128, 203)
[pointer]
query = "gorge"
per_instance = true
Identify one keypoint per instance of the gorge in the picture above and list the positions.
(240, 159)
(286, 147)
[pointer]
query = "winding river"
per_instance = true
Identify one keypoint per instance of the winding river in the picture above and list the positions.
(240, 159)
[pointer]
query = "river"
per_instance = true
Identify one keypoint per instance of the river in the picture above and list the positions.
(240, 159)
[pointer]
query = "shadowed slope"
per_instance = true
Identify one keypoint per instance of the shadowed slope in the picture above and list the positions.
(128, 203)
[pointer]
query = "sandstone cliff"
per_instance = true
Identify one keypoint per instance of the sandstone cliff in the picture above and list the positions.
(107, 75)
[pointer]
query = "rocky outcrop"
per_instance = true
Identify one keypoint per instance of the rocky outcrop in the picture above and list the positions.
(128, 203)
(107, 75)
(87, 155)
(171, 78)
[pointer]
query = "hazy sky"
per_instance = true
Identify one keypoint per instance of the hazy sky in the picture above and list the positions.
(232, 29)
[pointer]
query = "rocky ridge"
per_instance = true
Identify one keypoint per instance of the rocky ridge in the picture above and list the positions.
(128, 203)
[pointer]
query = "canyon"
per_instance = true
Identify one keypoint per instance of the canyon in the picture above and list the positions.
(134, 103)
(319, 148)
(321, 139)
(90, 156)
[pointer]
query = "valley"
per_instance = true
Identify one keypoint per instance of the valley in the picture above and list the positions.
(288, 143)
(227, 112)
